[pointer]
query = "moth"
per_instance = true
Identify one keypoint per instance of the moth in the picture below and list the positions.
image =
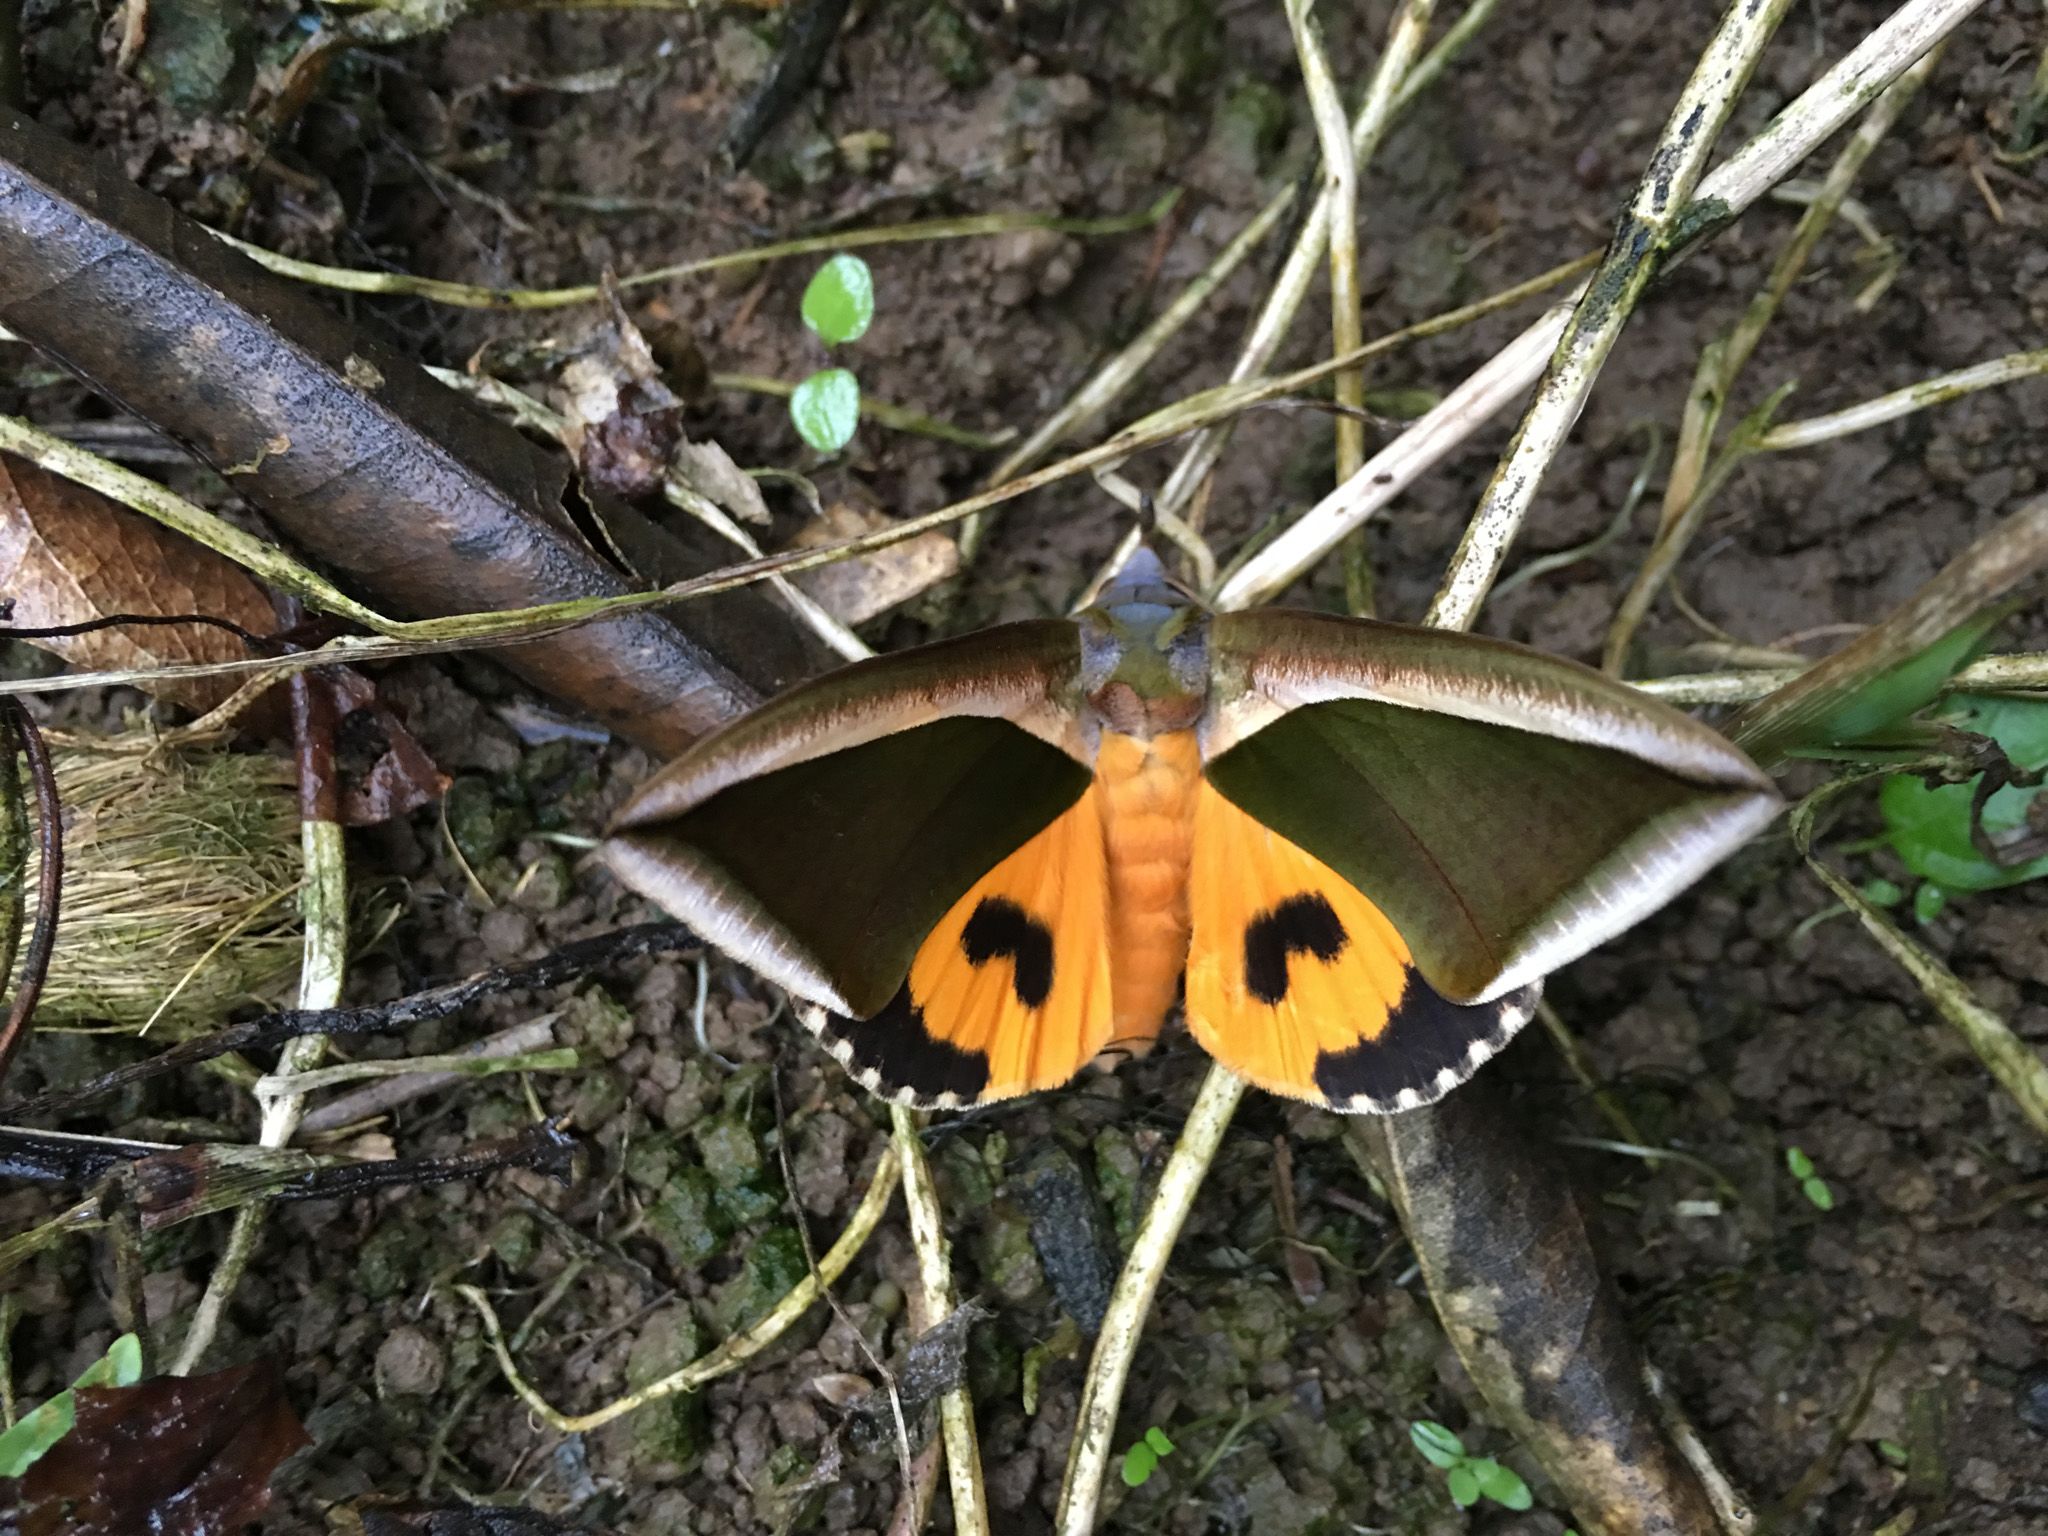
(1353, 848)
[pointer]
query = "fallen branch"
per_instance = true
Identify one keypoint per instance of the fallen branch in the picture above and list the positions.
(411, 496)
(1511, 1271)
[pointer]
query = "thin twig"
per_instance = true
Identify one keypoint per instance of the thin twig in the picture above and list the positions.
(35, 964)
(1340, 194)
(1648, 230)
(565, 964)
(323, 902)
(1938, 390)
(896, 418)
(1276, 316)
(2021, 672)
(479, 296)
(736, 1350)
(1114, 377)
(410, 1083)
(1131, 1301)
(935, 1278)
(1721, 365)
(839, 1312)
(1823, 107)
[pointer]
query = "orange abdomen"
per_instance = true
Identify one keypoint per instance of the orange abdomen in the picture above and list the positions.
(1147, 793)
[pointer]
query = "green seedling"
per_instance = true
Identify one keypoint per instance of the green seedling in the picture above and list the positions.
(1469, 1478)
(1143, 1458)
(1811, 1184)
(1939, 830)
(35, 1432)
(838, 306)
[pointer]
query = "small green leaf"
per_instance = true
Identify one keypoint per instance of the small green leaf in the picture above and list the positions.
(1501, 1484)
(1464, 1485)
(826, 409)
(1140, 1462)
(1817, 1191)
(1800, 1165)
(1156, 1438)
(1880, 892)
(35, 1432)
(1929, 827)
(839, 303)
(1928, 902)
(1439, 1446)
(1893, 1452)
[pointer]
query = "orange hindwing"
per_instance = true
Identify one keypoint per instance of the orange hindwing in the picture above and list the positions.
(1296, 981)
(1010, 993)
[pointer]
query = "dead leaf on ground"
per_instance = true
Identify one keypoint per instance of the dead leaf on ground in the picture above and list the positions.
(854, 591)
(68, 555)
(174, 1456)
(384, 770)
(709, 470)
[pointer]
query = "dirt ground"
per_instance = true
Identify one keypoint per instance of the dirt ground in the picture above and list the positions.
(1730, 1027)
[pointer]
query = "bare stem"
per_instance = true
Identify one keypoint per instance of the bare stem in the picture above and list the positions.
(1903, 402)
(324, 902)
(1375, 115)
(935, 1277)
(1722, 364)
(735, 1351)
(2027, 672)
(1131, 1302)
(477, 296)
(1801, 127)
(1639, 246)
(1121, 371)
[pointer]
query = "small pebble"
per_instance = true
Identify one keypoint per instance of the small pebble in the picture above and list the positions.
(409, 1364)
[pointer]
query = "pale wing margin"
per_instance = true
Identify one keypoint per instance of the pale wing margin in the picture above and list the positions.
(819, 838)
(1274, 663)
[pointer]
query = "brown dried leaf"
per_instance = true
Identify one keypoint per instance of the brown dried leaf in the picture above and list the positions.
(174, 1456)
(854, 591)
(709, 470)
(384, 770)
(68, 555)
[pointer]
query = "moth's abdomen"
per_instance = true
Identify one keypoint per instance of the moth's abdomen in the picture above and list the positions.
(1147, 791)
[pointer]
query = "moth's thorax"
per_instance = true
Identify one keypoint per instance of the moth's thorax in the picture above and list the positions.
(1147, 791)
(1145, 659)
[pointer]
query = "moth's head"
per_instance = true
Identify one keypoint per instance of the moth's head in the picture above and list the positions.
(1145, 650)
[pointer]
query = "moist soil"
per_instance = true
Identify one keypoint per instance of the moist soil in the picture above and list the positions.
(1887, 1357)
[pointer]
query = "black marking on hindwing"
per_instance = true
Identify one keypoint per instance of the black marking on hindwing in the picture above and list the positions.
(896, 1052)
(1428, 1046)
(1300, 925)
(1001, 929)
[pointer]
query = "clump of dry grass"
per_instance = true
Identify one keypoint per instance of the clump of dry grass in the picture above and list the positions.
(180, 876)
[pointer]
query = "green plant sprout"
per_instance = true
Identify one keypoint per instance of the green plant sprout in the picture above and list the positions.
(838, 306)
(1143, 1458)
(1469, 1478)
(37, 1431)
(1811, 1184)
